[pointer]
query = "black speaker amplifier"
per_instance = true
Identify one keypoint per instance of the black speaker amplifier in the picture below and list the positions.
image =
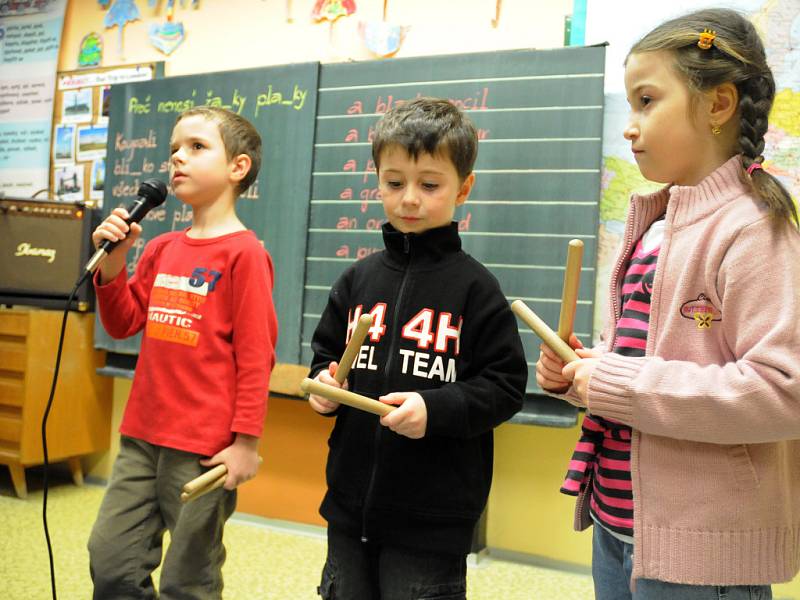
(44, 246)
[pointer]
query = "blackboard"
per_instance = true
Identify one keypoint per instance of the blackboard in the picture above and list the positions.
(281, 102)
(540, 117)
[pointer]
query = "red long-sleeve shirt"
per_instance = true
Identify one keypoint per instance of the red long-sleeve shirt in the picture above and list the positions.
(209, 339)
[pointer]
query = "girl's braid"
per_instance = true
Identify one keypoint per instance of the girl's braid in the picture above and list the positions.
(755, 101)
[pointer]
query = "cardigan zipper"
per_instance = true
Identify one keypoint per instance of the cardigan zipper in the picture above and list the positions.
(617, 289)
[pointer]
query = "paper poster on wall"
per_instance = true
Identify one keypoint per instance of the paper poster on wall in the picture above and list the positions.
(332, 10)
(72, 80)
(77, 106)
(69, 182)
(92, 141)
(91, 50)
(120, 14)
(98, 180)
(381, 37)
(64, 144)
(30, 33)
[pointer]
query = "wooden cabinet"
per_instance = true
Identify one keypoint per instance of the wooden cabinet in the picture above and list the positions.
(80, 417)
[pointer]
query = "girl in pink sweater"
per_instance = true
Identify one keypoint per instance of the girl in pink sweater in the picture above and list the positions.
(689, 463)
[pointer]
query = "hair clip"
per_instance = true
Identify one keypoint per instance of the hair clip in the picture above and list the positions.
(707, 37)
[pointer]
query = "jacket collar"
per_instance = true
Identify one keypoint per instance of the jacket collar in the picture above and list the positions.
(687, 204)
(428, 247)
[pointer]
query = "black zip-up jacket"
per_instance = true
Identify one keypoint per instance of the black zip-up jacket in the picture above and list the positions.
(445, 330)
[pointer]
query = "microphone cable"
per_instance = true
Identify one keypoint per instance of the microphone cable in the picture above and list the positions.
(45, 484)
(151, 193)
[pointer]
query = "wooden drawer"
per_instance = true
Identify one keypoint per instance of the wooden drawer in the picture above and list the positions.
(13, 356)
(9, 452)
(13, 323)
(10, 423)
(12, 389)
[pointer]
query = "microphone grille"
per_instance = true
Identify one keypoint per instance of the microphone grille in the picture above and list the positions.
(154, 190)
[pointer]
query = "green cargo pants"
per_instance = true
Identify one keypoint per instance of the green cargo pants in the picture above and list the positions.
(141, 503)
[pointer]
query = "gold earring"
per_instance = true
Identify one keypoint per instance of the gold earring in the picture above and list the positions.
(715, 129)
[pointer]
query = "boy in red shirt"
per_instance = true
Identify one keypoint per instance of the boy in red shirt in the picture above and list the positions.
(203, 297)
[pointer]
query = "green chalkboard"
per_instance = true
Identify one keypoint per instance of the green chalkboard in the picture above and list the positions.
(540, 119)
(281, 102)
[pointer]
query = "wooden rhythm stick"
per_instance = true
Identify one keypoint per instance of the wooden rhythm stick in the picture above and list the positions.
(352, 348)
(344, 397)
(207, 482)
(496, 20)
(540, 328)
(569, 295)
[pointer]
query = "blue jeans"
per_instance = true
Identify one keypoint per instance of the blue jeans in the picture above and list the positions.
(612, 563)
(368, 571)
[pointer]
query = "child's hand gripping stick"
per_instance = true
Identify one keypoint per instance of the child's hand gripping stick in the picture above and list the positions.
(540, 328)
(207, 482)
(344, 397)
(352, 348)
(569, 295)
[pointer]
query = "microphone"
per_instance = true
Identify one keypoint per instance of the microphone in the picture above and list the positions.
(151, 193)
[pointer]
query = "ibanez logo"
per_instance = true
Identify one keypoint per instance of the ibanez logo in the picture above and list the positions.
(25, 249)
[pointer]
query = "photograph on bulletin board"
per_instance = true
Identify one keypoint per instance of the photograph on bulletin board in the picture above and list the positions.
(77, 106)
(104, 104)
(64, 143)
(98, 179)
(69, 182)
(92, 141)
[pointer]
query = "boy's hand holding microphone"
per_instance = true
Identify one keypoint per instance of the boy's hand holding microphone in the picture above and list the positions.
(121, 228)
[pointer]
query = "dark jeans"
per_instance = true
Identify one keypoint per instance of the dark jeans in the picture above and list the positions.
(612, 564)
(366, 571)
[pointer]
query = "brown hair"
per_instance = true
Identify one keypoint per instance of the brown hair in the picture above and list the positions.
(431, 125)
(238, 135)
(736, 56)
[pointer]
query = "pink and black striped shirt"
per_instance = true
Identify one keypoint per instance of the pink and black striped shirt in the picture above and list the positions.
(602, 457)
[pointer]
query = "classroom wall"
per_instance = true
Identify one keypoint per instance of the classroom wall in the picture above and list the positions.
(238, 34)
(527, 514)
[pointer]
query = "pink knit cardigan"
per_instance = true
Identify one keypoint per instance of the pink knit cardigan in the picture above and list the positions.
(715, 403)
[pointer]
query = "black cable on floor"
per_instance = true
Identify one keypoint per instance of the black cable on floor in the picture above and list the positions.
(44, 428)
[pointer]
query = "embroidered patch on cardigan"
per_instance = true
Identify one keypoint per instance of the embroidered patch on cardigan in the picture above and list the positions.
(702, 311)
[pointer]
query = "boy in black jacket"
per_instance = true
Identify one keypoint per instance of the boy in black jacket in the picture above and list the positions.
(405, 492)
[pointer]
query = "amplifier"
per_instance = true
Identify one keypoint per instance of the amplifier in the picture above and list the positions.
(44, 246)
